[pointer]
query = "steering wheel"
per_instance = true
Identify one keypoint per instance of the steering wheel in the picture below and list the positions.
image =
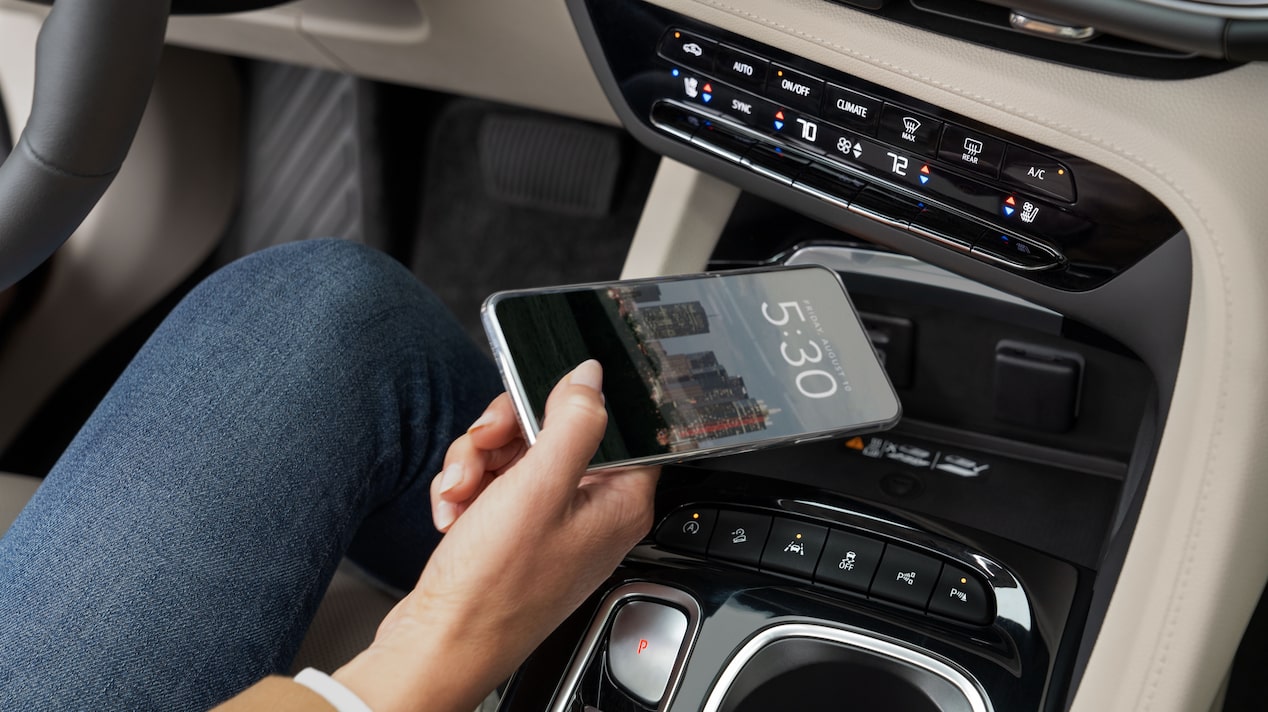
(95, 64)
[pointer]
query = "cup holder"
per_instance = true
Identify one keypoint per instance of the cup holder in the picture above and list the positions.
(803, 666)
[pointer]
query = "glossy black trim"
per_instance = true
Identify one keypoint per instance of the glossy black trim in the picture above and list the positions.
(1117, 222)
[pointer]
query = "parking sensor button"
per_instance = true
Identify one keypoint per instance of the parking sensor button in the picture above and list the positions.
(906, 577)
(646, 638)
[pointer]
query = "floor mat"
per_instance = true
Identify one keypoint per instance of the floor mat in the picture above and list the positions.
(477, 236)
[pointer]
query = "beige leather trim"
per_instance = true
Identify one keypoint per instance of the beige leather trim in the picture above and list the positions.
(681, 222)
(1200, 554)
(159, 220)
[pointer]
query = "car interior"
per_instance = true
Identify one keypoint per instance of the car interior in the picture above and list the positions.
(1046, 212)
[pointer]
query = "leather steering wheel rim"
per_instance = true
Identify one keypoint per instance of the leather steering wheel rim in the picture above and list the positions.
(95, 65)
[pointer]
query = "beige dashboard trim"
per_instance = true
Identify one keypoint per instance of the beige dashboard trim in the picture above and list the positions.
(1200, 554)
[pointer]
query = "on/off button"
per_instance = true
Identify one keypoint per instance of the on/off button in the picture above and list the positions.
(794, 89)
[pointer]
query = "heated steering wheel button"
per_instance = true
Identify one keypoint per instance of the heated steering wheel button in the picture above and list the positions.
(646, 639)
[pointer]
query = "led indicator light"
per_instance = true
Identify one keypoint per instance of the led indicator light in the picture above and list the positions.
(925, 169)
(708, 87)
(924, 180)
(1010, 200)
(695, 515)
(964, 580)
(798, 536)
(675, 72)
(1008, 212)
(1060, 171)
(707, 97)
(779, 115)
(779, 73)
(677, 35)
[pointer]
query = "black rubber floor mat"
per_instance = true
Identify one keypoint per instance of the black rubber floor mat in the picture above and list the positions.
(472, 242)
(550, 164)
(312, 165)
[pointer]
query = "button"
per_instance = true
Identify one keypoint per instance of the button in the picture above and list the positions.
(806, 130)
(885, 207)
(739, 537)
(774, 162)
(645, 642)
(1031, 215)
(743, 107)
(909, 129)
(720, 142)
(740, 67)
(1040, 172)
(693, 88)
(847, 147)
(852, 109)
(687, 530)
(849, 560)
(793, 547)
(946, 229)
(827, 183)
(675, 121)
(1014, 251)
(970, 149)
(963, 191)
(689, 50)
(960, 595)
(905, 577)
(792, 88)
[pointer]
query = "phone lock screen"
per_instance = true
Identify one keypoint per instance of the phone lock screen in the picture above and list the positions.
(702, 364)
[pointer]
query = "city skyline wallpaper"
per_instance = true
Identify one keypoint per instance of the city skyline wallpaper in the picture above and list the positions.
(697, 364)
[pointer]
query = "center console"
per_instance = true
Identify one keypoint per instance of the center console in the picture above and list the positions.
(962, 560)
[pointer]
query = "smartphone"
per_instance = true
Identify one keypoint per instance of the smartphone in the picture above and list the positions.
(698, 365)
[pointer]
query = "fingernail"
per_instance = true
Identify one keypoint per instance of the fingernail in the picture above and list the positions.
(481, 422)
(446, 513)
(588, 374)
(451, 477)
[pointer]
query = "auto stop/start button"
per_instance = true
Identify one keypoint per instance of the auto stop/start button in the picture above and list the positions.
(646, 639)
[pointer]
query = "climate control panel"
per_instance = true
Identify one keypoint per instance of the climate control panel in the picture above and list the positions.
(865, 150)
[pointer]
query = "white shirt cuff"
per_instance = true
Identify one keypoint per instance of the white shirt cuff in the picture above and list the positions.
(340, 697)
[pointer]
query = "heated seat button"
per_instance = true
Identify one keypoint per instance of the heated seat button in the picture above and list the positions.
(974, 150)
(689, 50)
(792, 88)
(1040, 172)
(960, 595)
(905, 577)
(909, 129)
(687, 530)
(739, 537)
(848, 561)
(739, 67)
(646, 639)
(793, 547)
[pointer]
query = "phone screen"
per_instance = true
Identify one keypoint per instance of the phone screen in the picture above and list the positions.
(701, 364)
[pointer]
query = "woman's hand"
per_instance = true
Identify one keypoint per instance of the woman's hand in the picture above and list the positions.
(530, 536)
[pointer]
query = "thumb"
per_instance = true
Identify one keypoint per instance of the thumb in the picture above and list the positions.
(571, 431)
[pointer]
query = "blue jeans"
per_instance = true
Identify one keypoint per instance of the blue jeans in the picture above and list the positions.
(294, 407)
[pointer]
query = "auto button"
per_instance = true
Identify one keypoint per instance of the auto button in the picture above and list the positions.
(646, 639)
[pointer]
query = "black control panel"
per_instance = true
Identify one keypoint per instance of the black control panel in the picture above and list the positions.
(842, 558)
(865, 150)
